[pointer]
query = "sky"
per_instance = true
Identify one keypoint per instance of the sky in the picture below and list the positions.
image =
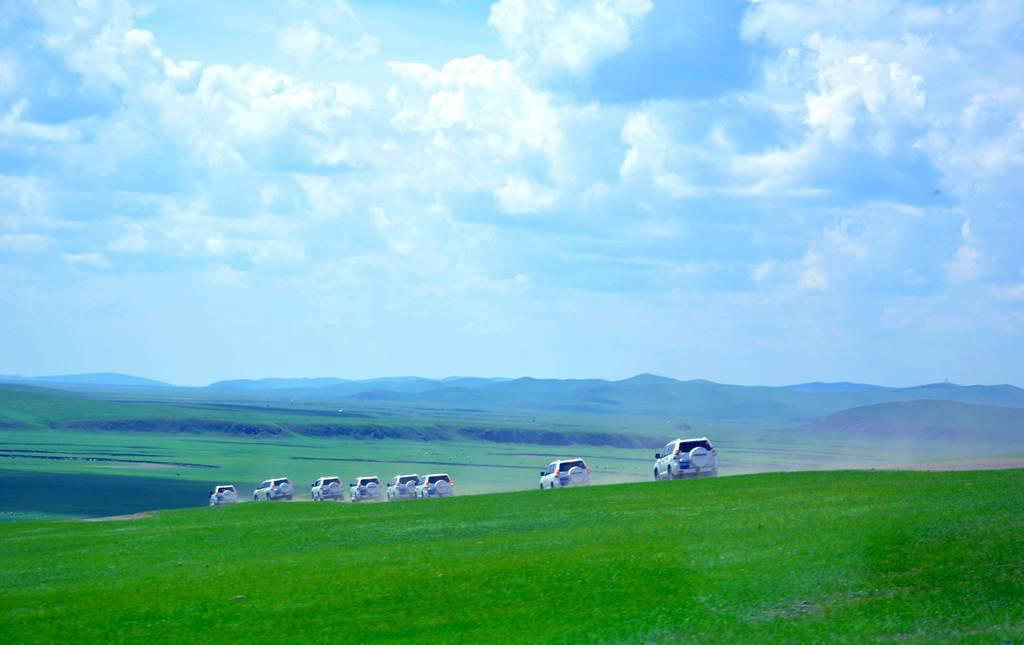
(762, 192)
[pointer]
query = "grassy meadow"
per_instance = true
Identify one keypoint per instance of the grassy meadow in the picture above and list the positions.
(848, 556)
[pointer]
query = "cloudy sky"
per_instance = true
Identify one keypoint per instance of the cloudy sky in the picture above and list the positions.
(750, 192)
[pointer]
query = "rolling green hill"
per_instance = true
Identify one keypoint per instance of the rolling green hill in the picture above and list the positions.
(938, 420)
(842, 556)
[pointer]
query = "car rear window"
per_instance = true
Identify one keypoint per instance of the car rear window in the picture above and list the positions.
(278, 482)
(367, 480)
(565, 466)
(225, 489)
(437, 478)
(331, 480)
(410, 478)
(687, 446)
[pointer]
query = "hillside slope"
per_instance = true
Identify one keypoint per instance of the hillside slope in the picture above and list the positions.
(946, 420)
(800, 557)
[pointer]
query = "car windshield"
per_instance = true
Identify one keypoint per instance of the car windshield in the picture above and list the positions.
(566, 466)
(410, 478)
(280, 482)
(331, 480)
(687, 446)
(437, 478)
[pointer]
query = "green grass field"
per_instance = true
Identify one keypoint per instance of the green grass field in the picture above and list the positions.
(848, 556)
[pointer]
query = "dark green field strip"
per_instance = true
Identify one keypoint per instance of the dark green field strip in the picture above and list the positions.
(86, 495)
(848, 556)
(90, 458)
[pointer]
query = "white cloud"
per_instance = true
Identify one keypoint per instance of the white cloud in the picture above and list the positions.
(567, 35)
(650, 154)
(95, 260)
(520, 195)
(967, 263)
(807, 273)
(479, 120)
(24, 242)
(12, 125)
(307, 44)
(1012, 293)
(812, 273)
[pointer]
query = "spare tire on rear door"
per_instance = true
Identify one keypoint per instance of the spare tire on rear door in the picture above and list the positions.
(700, 457)
(371, 489)
(442, 487)
(577, 475)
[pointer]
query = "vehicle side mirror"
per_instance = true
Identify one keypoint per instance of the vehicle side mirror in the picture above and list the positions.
(542, 473)
(657, 455)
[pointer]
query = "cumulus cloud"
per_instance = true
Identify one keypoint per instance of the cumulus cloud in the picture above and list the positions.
(478, 119)
(650, 154)
(567, 35)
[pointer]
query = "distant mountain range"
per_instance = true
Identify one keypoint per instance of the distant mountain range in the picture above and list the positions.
(644, 394)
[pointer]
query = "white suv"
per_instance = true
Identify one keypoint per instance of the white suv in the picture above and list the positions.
(327, 488)
(439, 485)
(686, 458)
(565, 473)
(365, 489)
(271, 489)
(223, 494)
(402, 487)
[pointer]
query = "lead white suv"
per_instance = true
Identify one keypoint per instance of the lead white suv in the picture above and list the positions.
(271, 489)
(686, 458)
(223, 494)
(565, 473)
(327, 488)
(402, 487)
(365, 489)
(439, 485)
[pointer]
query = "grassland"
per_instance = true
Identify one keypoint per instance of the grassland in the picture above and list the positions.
(165, 451)
(848, 556)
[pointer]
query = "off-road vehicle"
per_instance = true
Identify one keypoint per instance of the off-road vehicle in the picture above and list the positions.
(402, 487)
(437, 485)
(686, 458)
(223, 494)
(327, 488)
(565, 473)
(272, 489)
(365, 489)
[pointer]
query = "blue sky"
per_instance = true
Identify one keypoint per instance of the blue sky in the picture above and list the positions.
(750, 192)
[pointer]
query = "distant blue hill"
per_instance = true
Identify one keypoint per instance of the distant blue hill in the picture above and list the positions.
(94, 378)
(276, 383)
(838, 386)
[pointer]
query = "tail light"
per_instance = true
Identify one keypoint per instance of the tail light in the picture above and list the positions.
(587, 467)
(558, 472)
